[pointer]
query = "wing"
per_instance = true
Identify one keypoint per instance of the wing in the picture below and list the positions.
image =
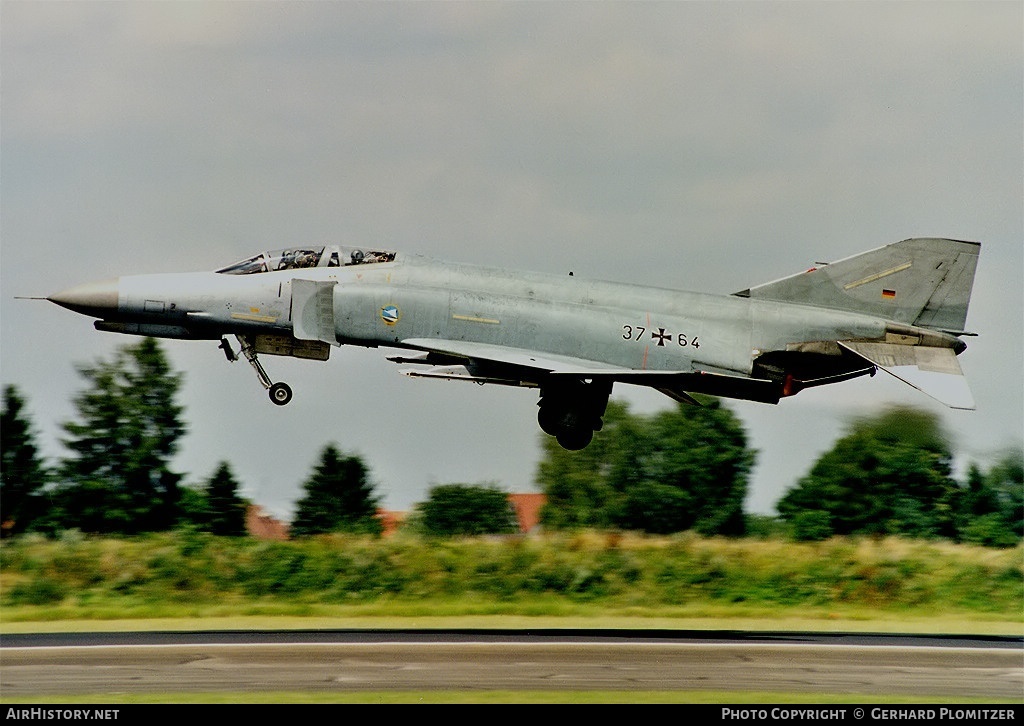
(516, 358)
(487, 363)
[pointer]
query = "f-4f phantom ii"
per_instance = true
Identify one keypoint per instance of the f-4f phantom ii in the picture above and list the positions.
(900, 308)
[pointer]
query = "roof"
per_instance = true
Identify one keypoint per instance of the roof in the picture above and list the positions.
(390, 521)
(262, 526)
(527, 508)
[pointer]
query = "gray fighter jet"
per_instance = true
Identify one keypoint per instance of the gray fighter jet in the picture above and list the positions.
(900, 308)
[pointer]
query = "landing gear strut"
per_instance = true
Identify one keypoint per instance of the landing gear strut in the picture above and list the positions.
(280, 393)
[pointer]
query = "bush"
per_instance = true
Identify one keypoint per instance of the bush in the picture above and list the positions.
(812, 525)
(41, 591)
(462, 509)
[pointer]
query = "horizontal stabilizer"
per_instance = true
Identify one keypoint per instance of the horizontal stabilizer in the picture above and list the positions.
(933, 371)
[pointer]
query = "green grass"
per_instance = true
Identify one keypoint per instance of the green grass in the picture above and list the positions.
(581, 580)
(588, 580)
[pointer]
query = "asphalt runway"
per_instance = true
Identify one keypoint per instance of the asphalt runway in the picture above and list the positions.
(55, 665)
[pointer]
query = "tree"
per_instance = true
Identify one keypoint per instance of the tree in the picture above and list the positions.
(193, 506)
(1007, 479)
(467, 509)
(686, 468)
(22, 472)
(990, 508)
(698, 459)
(580, 486)
(891, 474)
(226, 509)
(339, 497)
(118, 477)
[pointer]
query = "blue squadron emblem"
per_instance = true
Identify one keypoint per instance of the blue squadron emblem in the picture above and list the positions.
(390, 314)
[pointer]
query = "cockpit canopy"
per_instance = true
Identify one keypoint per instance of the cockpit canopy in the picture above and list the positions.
(300, 257)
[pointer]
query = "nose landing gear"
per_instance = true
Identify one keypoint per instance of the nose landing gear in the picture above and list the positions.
(280, 393)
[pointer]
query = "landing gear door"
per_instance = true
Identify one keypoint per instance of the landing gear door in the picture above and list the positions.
(313, 310)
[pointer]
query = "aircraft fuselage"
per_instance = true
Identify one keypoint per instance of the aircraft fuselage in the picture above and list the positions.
(570, 337)
(623, 325)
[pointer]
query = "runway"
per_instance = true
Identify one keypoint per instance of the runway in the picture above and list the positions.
(57, 665)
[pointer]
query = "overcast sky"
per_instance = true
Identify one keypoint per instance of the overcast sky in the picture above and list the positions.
(699, 146)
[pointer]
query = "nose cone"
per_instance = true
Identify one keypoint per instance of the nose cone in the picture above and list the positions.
(98, 299)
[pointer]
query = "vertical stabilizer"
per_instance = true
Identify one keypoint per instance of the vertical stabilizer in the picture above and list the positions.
(922, 281)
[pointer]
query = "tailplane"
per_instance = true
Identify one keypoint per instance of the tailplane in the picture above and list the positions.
(933, 371)
(922, 281)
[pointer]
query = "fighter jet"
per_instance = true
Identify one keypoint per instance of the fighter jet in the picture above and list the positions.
(900, 308)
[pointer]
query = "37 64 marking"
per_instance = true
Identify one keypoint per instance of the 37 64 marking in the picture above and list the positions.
(660, 336)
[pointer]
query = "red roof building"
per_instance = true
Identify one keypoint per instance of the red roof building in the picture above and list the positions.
(262, 526)
(527, 508)
(390, 520)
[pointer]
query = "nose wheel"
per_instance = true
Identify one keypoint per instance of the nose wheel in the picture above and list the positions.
(280, 393)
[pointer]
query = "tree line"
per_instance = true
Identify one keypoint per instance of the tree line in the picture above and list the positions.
(683, 469)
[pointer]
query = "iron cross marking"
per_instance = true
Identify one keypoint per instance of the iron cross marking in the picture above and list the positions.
(661, 336)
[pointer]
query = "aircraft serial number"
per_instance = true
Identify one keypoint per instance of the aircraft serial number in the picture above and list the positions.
(660, 336)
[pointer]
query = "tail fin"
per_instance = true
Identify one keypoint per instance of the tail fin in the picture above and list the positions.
(921, 281)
